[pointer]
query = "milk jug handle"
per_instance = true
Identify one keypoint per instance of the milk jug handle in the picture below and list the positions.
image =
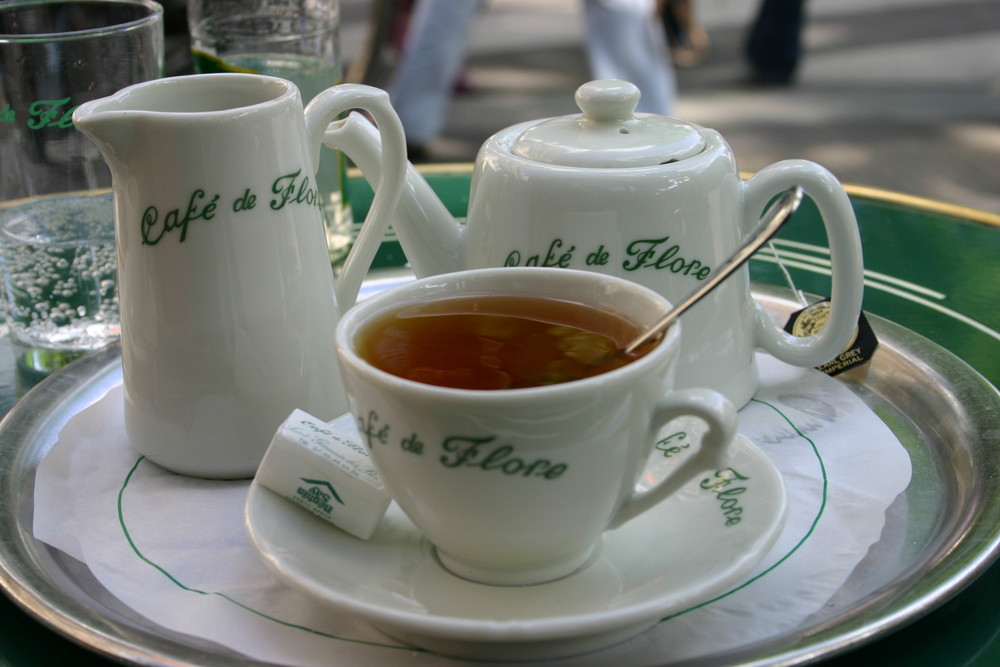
(321, 111)
(709, 406)
(846, 265)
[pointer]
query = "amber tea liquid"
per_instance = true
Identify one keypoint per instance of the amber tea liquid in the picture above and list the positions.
(497, 341)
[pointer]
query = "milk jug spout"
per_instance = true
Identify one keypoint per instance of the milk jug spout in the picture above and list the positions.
(111, 131)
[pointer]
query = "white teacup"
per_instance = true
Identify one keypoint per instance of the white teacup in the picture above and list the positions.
(516, 486)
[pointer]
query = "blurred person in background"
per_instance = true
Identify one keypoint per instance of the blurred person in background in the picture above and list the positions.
(774, 45)
(623, 41)
(687, 39)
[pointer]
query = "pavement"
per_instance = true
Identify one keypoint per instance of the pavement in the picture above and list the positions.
(897, 94)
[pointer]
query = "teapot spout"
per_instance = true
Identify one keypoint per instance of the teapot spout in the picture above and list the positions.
(433, 241)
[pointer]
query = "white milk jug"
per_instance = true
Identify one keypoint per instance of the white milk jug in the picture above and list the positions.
(227, 295)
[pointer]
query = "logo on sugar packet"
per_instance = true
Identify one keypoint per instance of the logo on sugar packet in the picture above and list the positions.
(317, 494)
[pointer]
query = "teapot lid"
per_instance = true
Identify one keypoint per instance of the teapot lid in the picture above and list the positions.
(609, 133)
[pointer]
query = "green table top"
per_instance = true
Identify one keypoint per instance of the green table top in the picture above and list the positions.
(930, 267)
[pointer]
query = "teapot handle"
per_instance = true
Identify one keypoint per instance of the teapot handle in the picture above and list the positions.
(322, 111)
(847, 270)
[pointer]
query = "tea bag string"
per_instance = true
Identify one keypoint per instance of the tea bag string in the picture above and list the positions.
(799, 294)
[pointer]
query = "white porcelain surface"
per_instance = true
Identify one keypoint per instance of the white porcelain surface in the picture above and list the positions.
(669, 559)
(226, 291)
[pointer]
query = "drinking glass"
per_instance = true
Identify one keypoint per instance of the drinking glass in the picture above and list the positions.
(297, 40)
(57, 262)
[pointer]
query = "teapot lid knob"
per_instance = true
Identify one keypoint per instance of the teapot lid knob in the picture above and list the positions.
(608, 100)
(609, 133)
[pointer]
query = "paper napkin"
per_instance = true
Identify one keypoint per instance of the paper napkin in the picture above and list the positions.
(174, 548)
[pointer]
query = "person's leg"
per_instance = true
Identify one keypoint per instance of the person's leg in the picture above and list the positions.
(433, 56)
(624, 41)
(774, 44)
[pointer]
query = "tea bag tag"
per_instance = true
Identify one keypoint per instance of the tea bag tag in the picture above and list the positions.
(809, 320)
(323, 468)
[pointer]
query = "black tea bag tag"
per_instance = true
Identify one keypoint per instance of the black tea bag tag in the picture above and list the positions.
(811, 319)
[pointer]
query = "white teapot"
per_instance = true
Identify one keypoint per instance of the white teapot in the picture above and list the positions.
(646, 197)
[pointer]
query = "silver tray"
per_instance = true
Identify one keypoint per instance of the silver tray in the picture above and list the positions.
(939, 535)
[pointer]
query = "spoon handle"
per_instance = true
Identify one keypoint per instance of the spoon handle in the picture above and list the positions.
(770, 223)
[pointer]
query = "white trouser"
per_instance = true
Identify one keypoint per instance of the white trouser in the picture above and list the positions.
(623, 40)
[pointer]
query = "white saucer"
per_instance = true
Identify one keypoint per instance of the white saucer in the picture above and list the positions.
(677, 555)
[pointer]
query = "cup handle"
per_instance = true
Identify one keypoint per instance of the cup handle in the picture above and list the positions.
(323, 110)
(846, 265)
(711, 407)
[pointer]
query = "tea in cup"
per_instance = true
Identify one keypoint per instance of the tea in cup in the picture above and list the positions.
(494, 429)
